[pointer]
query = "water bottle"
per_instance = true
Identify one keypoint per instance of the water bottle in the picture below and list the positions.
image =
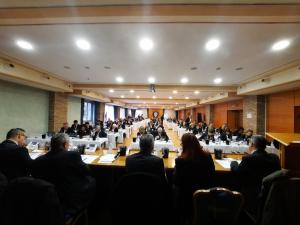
(110, 148)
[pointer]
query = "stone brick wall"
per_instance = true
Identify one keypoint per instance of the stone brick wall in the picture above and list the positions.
(209, 113)
(254, 115)
(58, 110)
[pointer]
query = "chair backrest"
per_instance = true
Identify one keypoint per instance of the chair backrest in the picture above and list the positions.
(31, 201)
(217, 206)
(141, 198)
(282, 203)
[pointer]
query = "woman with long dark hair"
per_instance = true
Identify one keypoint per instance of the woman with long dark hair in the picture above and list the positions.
(194, 169)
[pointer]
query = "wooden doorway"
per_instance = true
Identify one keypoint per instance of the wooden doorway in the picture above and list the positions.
(234, 119)
(297, 119)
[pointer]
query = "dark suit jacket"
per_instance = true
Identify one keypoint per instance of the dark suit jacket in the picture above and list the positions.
(250, 173)
(70, 175)
(68, 131)
(145, 163)
(14, 160)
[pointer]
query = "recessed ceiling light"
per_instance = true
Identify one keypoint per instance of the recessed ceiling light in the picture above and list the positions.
(151, 80)
(107, 67)
(111, 91)
(218, 80)
(24, 44)
(138, 96)
(194, 68)
(122, 96)
(154, 97)
(144, 102)
(67, 67)
(170, 97)
(87, 67)
(155, 103)
(280, 45)
(176, 103)
(239, 68)
(186, 97)
(131, 91)
(212, 45)
(174, 92)
(196, 92)
(184, 80)
(146, 44)
(218, 68)
(119, 79)
(83, 44)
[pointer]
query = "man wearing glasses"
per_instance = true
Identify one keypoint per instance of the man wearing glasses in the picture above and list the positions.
(14, 158)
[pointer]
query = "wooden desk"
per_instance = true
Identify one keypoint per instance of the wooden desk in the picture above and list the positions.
(169, 162)
(289, 146)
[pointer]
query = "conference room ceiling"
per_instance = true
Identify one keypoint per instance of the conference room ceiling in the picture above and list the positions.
(48, 3)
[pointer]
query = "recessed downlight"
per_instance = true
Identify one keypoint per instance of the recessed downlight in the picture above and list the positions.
(280, 45)
(175, 92)
(154, 97)
(151, 80)
(218, 80)
(111, 90)
(122, 96)
(186, 97)
(137, 96)
(146, 44)
(24, 44)
(119, 79)
(196, 92)
(83, 44)
(170, 97)
(131, 91)
(212, 45)
(184, 80)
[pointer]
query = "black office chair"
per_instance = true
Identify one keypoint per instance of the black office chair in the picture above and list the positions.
(141, 198)
(217, 206)
(31, 201)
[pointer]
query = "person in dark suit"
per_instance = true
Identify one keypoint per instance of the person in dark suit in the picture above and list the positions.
(144, 161)
(68, 173)
(194, 169)
(75, 127)
(14, 157)
(65, 129)
(252, 169)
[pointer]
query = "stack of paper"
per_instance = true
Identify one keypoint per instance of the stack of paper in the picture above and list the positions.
(226, 162)
(34, 155)
(88, 158)
(108, 158)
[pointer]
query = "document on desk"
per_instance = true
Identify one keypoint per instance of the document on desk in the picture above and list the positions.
(34, 155)
(88, 158)
(225, 162)
(108, 158)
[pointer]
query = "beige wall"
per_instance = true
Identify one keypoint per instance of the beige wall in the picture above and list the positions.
(74, 109)
(22, 106)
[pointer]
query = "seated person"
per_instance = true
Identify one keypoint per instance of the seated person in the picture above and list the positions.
(141, 131)
(194, 170)
(226, 135)
(65, 129)
(253, 168)
(83, 132)
(144, 161)
(102, 133)
(68, 173)
(162, 135)
(88, 128)
(75, 127)
(248, 135)
(240, 136)
(14, 158)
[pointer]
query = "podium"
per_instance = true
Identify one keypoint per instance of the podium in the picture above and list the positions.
(289, 148)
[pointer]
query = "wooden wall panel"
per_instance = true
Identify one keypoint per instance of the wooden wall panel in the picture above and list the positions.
(280, 112)
(220, 114)
(151, 111)
(297, 98)
(201, 110)
(181, 115)
(235, 105)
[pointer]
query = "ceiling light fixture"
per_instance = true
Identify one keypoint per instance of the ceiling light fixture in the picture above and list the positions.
(175, 92)
(218, 80)
(280, 45)
(170, 97)
(196, 92)
(146, 44)
(184, 80)
(154, 97)
(119, 79)
(131, 91)
(138, 96)
(24, 44)
(212, 44)
(186, 97)
(151, 80)
(83, 44)
(122, 96)
(111, 91)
